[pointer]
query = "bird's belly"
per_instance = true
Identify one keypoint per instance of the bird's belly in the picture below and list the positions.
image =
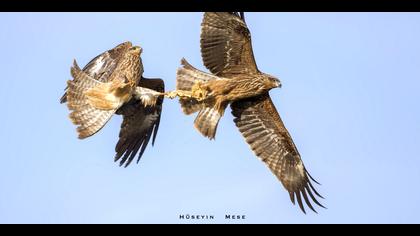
(233, 90)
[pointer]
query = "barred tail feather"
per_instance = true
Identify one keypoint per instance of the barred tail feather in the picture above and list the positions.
(75, 68)
(190, 106)
(207, 121)
(186, 77)
(88, 119)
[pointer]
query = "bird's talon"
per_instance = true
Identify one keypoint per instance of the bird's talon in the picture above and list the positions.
(177, 93)
(171, 94)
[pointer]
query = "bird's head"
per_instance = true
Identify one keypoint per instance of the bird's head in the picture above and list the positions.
(273, 81)
(135, 50)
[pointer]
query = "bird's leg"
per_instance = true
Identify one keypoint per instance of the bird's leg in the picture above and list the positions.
(219, 105)
(198, 91)
(147, 96)
(178, 93)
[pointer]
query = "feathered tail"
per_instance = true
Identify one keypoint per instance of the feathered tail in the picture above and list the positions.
(186, 78)
(207, 120)
(209, 115)
(88, 118)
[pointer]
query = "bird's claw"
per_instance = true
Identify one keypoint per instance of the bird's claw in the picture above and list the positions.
(171, 94)
(197, 93)
(178, 93)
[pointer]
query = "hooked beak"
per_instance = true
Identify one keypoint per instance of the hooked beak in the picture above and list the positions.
(278, 83)
(137, 49)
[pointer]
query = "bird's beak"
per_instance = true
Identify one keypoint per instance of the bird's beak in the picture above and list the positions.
(137, 49)
(278, 83)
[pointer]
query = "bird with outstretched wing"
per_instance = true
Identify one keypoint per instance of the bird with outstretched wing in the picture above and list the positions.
(113, 83)
(235, 80)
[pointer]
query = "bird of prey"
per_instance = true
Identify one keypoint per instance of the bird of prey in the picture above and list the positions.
(235, 80)
(112, 83)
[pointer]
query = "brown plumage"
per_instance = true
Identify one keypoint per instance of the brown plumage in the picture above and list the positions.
(227, 52)
(103, 65)
(112, 83)
(140, 123)
(217, 92)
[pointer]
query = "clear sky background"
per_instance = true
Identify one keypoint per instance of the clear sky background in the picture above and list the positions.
(350, 99)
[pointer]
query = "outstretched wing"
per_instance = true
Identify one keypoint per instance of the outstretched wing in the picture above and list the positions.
(263, 129)
(226, 44)
(102, 66)
(140, 123)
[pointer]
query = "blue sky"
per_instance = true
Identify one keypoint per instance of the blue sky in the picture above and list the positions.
(350, 97)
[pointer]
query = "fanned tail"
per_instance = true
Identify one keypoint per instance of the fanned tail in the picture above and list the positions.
(88, 118)
(187, 77)
(207, 121)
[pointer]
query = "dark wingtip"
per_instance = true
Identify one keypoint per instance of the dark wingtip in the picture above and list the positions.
(299, 200)
(117, 158)
(139, 157)
(63, 99)
(312, 178)
(308, 189)
(117, 154)
(292, 197)
(242, 14)
(305, 196)
(313, 189)
(121, 163)
(155, 131)
(303, 192)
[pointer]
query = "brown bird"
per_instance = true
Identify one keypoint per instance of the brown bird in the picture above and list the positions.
(227, 52)
(112, 83)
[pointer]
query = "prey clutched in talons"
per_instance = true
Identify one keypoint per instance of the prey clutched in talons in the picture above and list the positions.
(178, 93)
(197, 92)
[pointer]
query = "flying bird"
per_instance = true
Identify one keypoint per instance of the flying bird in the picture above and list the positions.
(113, 83)
(235, 80)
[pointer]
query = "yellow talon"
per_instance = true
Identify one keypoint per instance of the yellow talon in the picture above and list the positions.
(171, 94)
(178, 93)
(197, 92)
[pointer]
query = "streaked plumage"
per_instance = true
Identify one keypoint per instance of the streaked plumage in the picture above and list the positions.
(112, 83)
(263, 129)
(226, 51)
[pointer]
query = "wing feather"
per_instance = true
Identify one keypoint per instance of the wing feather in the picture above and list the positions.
(140, 124)
(226, 44)
(263, 129)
